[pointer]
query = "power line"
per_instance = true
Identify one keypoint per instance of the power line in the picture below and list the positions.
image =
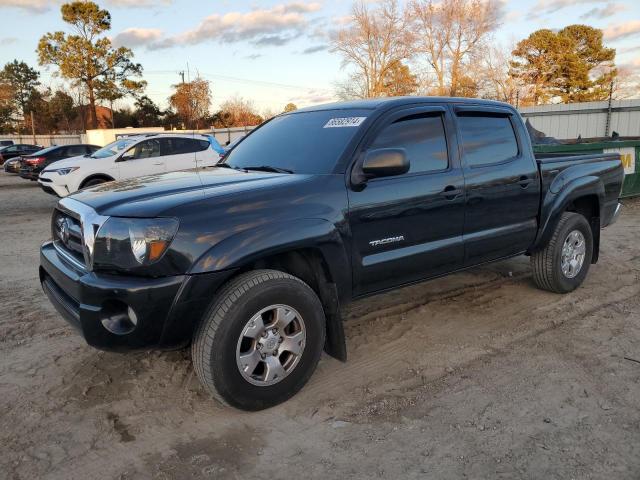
(238, 79)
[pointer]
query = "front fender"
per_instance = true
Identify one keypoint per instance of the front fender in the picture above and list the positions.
(250, 245)
(554, 204)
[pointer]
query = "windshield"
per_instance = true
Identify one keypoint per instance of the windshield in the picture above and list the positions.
(113, 148)
(306, 142)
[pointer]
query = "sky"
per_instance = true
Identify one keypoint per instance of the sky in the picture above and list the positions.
(274, 52)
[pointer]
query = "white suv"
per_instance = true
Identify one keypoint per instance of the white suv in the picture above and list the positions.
(131, 157)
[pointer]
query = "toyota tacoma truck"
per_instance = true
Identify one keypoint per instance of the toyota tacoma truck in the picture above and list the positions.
(251, 261)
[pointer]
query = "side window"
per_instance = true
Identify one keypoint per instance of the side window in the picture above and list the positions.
(147, 149)
(423, 138)
(13, 148)
(75, 150)
(487, 139)
(182, 145)
(204, 144)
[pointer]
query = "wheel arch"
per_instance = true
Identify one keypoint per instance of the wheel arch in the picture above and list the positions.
(585, 196)
(93, 176)
(313, 251)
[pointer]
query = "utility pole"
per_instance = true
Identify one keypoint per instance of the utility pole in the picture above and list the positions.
(608, 125)
(33, 128)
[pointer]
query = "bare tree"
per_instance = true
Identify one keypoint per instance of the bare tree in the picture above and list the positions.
(237, 112)
(376, 41)
(497, 84)
(192, 101)
(449, 35)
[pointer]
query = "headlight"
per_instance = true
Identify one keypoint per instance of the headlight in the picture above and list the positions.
(130, 242)
(66, 171)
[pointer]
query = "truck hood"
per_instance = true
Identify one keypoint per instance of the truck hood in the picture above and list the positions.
(153, 195)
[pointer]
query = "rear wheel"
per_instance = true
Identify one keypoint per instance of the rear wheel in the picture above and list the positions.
(564, 263)
(260, 340)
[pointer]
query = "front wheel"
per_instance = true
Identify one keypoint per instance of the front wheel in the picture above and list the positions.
(260, 341)
(562, 265)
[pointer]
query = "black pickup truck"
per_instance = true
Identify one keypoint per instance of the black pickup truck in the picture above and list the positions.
(251, 261)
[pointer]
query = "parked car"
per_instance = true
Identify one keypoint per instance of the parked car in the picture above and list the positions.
(252, 261)
(12, 151)
(32, 165)
(5, 143)
(130, 157)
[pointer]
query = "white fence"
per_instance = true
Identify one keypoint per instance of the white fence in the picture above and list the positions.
(588, 119)
(45, 140)
(104, 136)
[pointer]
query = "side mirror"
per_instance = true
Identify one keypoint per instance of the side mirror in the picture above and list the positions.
(385, 162)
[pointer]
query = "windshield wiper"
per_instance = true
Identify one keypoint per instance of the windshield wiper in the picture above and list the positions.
(268, 168)
(226, 165)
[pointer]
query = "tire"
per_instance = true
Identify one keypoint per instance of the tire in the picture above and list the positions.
(93, 182)
(226, 331)
(547, 263)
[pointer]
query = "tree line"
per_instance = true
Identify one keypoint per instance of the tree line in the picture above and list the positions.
(96, 74)
(423, 47)
(447, 48)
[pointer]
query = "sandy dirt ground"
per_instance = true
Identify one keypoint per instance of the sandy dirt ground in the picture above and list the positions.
(477, 375)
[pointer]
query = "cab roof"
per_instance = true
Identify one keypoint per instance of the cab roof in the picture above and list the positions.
(389, 102)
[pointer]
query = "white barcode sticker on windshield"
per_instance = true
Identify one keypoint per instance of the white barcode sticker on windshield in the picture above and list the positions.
(344, 122)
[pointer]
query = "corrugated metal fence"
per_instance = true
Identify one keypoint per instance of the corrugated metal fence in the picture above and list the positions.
(588, 119)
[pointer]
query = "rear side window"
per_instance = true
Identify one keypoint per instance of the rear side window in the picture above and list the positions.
(487, 139)
(177, 146)
(75, 150)
(423, 139)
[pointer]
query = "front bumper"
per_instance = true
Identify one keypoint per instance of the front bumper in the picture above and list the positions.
(29, 174)
(166, 309)
(49, 185)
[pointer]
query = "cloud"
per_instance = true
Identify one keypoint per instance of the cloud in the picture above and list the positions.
(632, 48)
(622, 30)
(608, 10)
(36, 6)
(8, 40)
(545, 7)
(275, 26)
(314, 49)
(313, 97)
(138, 3)
(134, 37)
(253, 56)
(42, 6)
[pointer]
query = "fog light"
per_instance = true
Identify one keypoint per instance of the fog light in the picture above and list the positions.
(119, 319)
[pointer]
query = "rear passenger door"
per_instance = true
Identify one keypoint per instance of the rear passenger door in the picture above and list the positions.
(502, 185)
(179, 153)
(409, 227)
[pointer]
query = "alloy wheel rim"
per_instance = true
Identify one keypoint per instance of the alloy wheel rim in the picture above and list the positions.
(271, 345)
(573, 253)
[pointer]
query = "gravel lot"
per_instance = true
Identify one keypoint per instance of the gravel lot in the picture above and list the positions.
(477, 375)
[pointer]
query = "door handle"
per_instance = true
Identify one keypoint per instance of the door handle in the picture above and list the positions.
(158, 163)
(524, 181)
(450, 192)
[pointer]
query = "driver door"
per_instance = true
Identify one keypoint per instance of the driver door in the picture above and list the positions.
(142, 159)
(408, 227)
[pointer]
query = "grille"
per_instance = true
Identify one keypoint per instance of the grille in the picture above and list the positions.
(67, 236)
